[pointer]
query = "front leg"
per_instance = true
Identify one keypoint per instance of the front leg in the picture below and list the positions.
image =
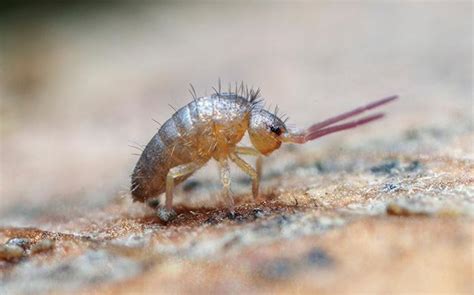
(167, 213)
(225, 179)
(243, 150)
(254, 174)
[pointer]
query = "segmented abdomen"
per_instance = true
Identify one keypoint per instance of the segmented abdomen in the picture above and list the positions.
(188, 136)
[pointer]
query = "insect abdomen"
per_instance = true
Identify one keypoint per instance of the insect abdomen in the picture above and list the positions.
(188, 136)
(176, 143)
(149, 175)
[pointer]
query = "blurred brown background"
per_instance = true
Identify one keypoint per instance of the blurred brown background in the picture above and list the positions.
(80, 82)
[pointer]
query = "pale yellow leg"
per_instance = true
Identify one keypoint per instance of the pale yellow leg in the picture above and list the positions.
(252, 152)
(225, 179)
(247, 151)
(167, 212)
(250, 171)
(258, 166)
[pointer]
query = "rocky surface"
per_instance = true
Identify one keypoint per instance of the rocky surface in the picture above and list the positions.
(387, 208)
(390, 221)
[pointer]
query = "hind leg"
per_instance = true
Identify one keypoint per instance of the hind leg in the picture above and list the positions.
(167, 213)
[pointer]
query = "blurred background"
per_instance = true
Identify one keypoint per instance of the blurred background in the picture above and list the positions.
(81, 81)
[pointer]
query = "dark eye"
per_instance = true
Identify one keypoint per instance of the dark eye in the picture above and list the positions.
(276, 130)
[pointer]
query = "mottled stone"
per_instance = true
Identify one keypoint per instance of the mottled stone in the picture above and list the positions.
(11, 252)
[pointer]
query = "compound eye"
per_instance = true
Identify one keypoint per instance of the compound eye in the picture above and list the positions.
(276, 130)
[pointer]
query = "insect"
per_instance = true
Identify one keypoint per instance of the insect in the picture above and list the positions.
(211, 127)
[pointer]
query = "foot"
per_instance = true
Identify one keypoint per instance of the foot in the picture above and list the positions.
(166, 215)
(231, 215)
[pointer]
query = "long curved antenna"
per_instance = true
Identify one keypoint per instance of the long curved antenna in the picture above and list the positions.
(352, 113)
(311, 135)
(327, 126)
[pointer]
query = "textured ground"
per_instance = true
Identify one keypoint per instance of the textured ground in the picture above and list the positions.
(387, 208)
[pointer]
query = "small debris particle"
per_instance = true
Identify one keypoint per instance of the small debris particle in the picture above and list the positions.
(24, 243)
(231, 215)
(42, 246)
(235, 216)
(258, 213)
(284, 268)
(390, 188)
(385, 168)
(232, 242)
(320, 167)
(400, 210)
(319, 257)
(11, 252)
(212, 220)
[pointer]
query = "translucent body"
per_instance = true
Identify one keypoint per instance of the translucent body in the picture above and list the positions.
(211, 127)
(208, 127)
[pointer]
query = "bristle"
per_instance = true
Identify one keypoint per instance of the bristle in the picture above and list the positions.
(216, 92)
(159, 124)
(254, 95)
(171, 106)
(192, 91)
(237, 90)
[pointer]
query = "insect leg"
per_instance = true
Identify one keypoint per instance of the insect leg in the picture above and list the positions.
(258, 165)
(258, 168)
(167, 213)
(244, 150)
(254, 174)
(225, 179)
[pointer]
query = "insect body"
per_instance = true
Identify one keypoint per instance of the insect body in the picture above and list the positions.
(211, 127)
